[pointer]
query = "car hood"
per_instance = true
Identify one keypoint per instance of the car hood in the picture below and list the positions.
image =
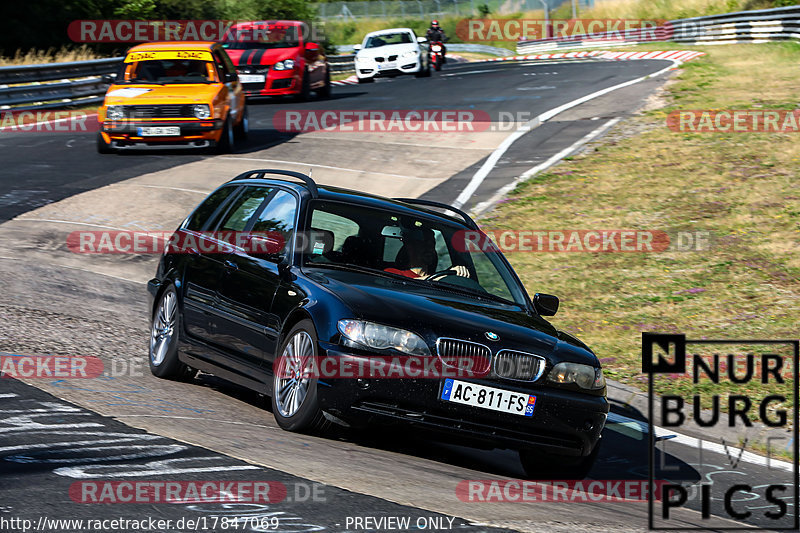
(432, 313)
(262, 56)
(148, 93)
(387, 50)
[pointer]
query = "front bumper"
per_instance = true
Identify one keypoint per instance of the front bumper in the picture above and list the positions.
(564, 422)
(278, 83)
(371, 70)
(194, 133)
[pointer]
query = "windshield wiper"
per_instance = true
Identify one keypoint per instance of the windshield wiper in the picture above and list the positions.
(355, 268)
(471, 292)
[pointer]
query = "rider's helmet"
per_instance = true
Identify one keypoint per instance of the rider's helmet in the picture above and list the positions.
(435, 24)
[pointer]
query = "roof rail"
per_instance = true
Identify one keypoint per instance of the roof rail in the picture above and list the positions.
(471, 223)
(261, 173)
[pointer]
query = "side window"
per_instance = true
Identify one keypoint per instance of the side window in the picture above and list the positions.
(341, 227)
(226, 61)
(243, 208)
(197, 221)
(276, 221)
(222, 68)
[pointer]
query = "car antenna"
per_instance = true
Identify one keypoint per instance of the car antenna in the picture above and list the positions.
(310, 171)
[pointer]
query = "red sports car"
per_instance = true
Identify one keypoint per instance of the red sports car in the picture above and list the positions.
(274, 58)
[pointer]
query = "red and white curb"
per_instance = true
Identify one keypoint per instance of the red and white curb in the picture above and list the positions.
(352, 80)
(673, 55)
(681, 56)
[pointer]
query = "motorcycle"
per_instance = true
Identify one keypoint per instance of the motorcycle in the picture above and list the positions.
(436, 55)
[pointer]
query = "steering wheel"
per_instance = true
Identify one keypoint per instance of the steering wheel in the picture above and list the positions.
(441, 274)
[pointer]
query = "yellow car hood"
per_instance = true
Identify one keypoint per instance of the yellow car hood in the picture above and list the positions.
(130, 94)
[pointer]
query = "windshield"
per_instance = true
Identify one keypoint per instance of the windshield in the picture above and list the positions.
(264, 39)
(383, 39)
(165, 71)
(386, 243)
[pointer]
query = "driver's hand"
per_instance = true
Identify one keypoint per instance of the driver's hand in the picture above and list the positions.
(461, 270)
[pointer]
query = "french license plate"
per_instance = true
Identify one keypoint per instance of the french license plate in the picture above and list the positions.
(384, 66)
(488, 397)
(158, 131)
(252, 78)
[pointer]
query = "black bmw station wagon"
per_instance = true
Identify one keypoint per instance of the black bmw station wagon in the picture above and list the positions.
(272, 273)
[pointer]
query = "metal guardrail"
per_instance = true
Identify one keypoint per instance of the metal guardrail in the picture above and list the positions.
(342, 64)
(454, 47)
(58, 71)
(763, 25)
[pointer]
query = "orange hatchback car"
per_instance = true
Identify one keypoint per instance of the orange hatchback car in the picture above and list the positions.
(173, 95)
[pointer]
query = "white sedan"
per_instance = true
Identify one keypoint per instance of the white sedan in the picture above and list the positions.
(390, 53)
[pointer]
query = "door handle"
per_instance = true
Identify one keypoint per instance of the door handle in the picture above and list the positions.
(230, 265)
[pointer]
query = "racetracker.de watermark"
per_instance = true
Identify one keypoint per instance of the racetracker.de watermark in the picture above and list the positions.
(567, 241)
(588, 491)
(52, 121)
(735, 121)
(393, 367)
(383, 120)
(142, 31)
(513, 30)
(163, 491)
(50, 366)
(179, 242)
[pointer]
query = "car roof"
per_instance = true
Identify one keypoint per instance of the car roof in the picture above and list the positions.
(173, 45)
(353, 197)
(251, 23)
(391, 30)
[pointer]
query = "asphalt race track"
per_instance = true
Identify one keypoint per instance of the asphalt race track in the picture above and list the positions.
(54, 433)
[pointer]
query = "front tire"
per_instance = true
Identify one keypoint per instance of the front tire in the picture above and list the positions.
(164, 337)
(325, 92)
(546, 466)
(227, 139)
(366, 80)
(102, 146)
(424, 69)
(294, 397)
(243, 128)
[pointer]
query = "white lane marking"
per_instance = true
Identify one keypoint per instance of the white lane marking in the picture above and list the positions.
(279, 161)
(693, 442)
(483, 206)
(423, 145)
(82, 270)
(170, 188)
(465, 73)
(57, 221)
(490, 163)
(8, 394)
(199, 418)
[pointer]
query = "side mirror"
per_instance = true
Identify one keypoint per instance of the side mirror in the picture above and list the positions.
(356, 47)
(109, 78)
(545, 304)
(422, 40)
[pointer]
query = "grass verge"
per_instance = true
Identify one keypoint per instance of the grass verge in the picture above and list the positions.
(739, 187)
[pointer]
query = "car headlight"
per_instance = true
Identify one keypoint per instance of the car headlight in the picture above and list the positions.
(286, 64)
(380, 337)
(201, 110)
(584, 376)
(410, 53)
(115, 112)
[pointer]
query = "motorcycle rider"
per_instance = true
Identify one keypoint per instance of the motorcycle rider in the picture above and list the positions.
(436, 34)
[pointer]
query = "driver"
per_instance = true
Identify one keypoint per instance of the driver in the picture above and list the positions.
(436, 34)
(420, 247)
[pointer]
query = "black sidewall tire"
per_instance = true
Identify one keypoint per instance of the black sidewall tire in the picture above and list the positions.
(224, 145)
(326, 90)
(171, 367)
(102, 146)
(240, 132)
(309, 416)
